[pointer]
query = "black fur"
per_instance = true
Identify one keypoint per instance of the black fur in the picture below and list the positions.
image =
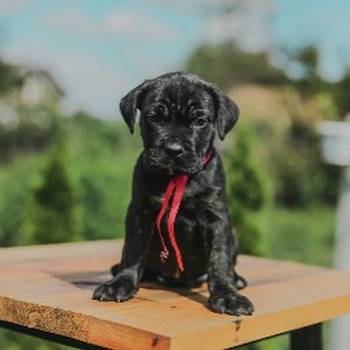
(179, 117)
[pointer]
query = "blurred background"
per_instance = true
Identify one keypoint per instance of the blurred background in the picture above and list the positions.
(66, 158)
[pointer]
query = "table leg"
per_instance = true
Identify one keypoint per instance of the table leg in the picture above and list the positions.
(307, 338)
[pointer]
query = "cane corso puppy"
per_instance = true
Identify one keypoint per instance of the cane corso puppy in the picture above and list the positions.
(179, 117)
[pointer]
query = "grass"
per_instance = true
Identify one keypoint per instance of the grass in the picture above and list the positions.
(301, 235)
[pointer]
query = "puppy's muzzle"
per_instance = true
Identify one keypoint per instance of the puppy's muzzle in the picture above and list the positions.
(170, 159)
(174, 150)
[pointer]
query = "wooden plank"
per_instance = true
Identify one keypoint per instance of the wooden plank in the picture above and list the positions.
(49, 288)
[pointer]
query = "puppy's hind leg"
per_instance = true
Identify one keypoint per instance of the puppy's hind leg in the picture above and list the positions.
(239, 281)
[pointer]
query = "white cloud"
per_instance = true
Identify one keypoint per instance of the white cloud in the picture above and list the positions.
(89, 84)
(75, 22)
(136, 24)
(121, 23)
(245, 22)
(206, 7)
(205, 4)
(8, 6)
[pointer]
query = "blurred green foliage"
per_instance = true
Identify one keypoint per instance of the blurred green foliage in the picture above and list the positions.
(32, 130)
(10, 340)
(229, 66)
(341, 94)
(81, 187)
(301, 177)
(10, 78)
(55, 203)
(248, 192)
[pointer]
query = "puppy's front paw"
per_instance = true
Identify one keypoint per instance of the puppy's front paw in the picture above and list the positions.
(231, 303)
(117, 289)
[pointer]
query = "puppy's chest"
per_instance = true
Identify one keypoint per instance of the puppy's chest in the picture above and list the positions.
(189, 202)
(189, 223)
(189, 220)
(193, 195)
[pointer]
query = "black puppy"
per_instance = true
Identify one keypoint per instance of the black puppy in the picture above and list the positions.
(180, 115)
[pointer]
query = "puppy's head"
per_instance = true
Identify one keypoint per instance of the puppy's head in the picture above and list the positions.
(179, 116)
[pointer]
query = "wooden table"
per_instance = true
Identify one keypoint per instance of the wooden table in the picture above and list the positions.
(46, 291)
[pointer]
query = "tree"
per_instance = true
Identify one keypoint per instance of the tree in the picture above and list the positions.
(55, 202)
(311, 82)
(9, 77)
(342, 95)
(227, 65)
(247, 193)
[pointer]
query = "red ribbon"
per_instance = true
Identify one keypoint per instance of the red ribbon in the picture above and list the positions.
(175, 188)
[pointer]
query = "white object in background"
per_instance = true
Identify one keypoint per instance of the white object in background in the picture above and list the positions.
(336, 150)
(340, 328)
(335, 142)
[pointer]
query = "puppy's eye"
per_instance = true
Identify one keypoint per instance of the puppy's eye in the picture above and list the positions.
(160, 109)
(155, 119)
(200, 122)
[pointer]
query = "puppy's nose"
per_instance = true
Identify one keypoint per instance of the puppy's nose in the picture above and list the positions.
(174, 149)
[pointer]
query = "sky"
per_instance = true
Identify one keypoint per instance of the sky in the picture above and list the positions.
(98, 50)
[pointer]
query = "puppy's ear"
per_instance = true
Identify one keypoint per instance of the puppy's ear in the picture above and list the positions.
(227, 112)
(131, 102)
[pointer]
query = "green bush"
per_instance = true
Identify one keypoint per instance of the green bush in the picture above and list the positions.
(248, 192)
(54, 210)
(17, 181)
(301, 176)
(10, 77)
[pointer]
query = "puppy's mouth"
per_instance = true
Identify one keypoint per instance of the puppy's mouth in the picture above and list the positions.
(157, 161)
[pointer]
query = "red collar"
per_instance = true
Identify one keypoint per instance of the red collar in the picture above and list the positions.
(175, 188)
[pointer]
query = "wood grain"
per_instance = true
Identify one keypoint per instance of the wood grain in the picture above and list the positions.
(49, 288)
